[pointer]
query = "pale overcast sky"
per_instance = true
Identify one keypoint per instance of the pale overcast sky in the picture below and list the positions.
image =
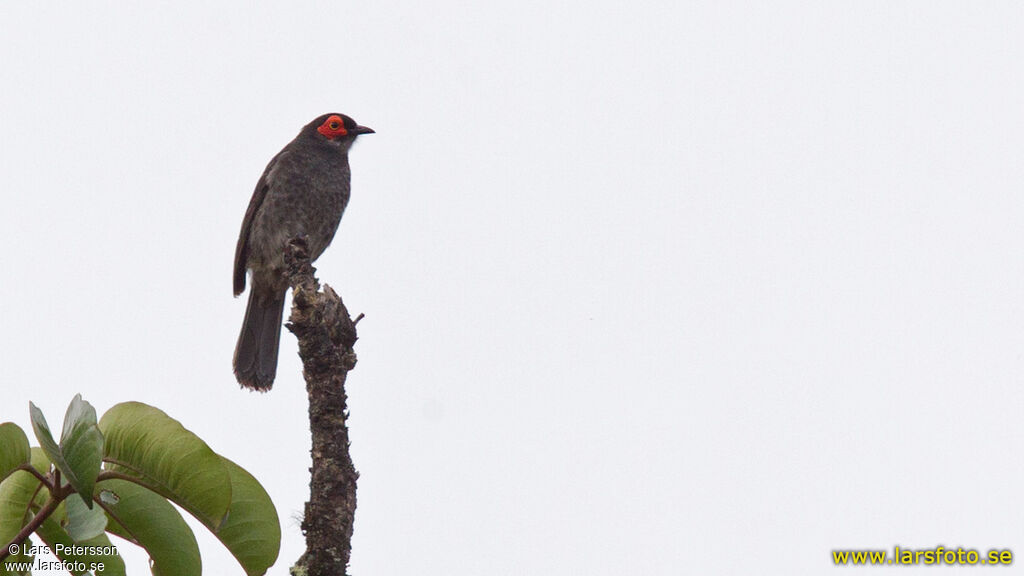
(650, 288)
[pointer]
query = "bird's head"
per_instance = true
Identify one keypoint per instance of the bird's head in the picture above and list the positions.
(336, 129)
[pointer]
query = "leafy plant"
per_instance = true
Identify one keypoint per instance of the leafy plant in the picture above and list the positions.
(119, 476)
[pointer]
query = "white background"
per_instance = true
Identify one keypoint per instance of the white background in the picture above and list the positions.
(650, 288)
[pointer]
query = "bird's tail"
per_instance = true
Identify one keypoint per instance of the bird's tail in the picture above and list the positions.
(256, 352)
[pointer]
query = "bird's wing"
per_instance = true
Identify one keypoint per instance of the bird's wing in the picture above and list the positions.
(242, 248)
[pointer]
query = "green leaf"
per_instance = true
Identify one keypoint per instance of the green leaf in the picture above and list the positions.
(84, 523)
(19, 494)
(82, 446)
(251, 529)
(46, 441)
(16, 497)
(80, 453)
(98, 549)
(158, 453)
(14, 449)
(145, 443)
(147, 519)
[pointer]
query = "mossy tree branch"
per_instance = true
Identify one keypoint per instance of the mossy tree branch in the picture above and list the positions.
(326, 336)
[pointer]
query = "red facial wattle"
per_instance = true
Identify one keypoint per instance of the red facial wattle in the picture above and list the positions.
(333, 127)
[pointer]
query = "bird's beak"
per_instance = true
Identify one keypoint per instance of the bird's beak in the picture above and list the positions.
(361, 130)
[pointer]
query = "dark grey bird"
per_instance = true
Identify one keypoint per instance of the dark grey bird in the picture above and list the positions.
(302, 192)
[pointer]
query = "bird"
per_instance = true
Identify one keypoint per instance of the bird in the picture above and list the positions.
(303, 192)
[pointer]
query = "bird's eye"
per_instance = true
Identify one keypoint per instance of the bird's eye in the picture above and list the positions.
(333, 127)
